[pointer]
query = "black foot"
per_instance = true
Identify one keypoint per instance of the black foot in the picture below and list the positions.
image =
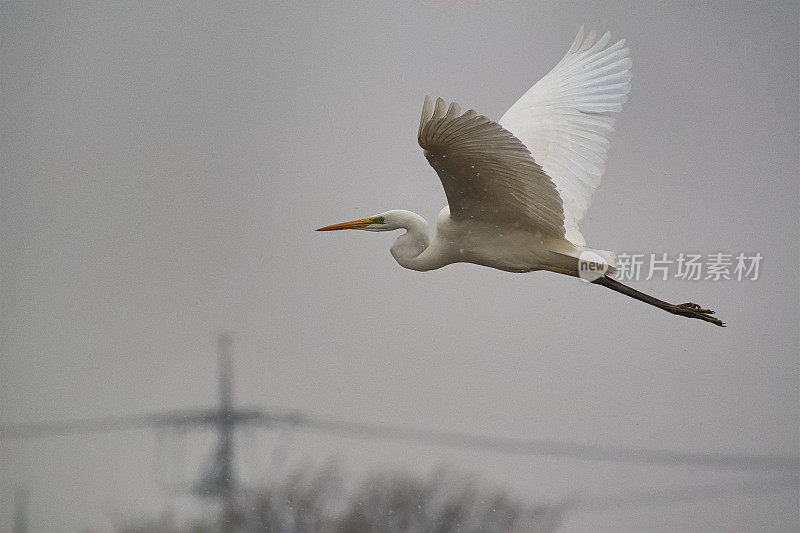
(692, 310)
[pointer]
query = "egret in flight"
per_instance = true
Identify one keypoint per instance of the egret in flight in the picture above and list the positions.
(517, 188)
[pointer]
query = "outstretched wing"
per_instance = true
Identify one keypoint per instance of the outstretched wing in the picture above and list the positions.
(564, 122)
(487, 173)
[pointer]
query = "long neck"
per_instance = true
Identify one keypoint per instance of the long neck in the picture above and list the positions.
(408, 248)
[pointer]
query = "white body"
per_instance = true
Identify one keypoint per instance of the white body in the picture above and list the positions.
(505, 248)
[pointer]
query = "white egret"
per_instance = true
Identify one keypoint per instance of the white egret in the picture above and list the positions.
(517, 188)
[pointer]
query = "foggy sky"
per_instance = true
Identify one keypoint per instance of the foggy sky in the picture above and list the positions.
(164, 166)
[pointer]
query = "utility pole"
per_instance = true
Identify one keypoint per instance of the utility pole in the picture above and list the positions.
(219, 481)
(226, 481)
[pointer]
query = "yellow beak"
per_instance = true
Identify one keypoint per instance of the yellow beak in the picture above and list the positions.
(353, 224)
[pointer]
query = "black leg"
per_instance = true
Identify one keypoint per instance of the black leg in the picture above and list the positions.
(689, 310)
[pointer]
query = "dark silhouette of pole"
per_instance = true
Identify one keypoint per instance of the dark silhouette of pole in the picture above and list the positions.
(226, 481)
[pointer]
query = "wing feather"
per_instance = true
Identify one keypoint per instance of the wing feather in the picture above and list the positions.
(563, 120)
(486, 172)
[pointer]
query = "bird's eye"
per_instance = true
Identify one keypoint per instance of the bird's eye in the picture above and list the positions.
(379, 220)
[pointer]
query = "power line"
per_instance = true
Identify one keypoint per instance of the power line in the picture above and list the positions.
(226, 417)
(548, 448)
(487, 443)
(210, 417)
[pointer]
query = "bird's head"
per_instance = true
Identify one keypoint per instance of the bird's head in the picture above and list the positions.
(408, 247)
(387, 221)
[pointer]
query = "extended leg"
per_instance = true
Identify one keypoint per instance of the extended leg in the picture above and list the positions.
(690, 310)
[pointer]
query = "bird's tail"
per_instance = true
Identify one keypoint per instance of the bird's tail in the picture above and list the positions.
(587, 256)
(610, 258)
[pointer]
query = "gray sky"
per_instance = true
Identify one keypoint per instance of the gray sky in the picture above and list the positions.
(164, 166)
